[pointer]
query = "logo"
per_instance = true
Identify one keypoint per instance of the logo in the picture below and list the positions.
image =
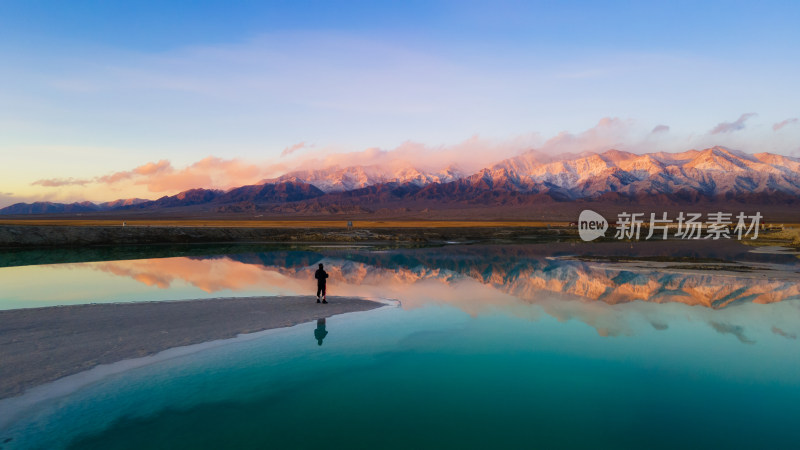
(631, 226)
(591, 225)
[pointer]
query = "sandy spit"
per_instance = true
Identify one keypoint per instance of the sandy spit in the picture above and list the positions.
(39, 345)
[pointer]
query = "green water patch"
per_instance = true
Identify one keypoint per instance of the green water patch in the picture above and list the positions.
(437, 377)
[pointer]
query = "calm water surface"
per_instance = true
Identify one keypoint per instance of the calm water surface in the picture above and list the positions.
(491, 346)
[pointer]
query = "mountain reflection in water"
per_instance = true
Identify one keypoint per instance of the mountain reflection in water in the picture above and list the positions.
(518, 341)
(520, 280)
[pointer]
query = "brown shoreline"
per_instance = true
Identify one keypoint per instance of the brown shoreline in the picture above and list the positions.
(39, 345)
(51, 236)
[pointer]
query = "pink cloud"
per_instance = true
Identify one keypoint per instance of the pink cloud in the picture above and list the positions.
(153, 168)
(210, 172)
(289, 150)
(469, 155)
(610, 132)
(145, 169)
(730, 127)
(59, 182)
(782, 124)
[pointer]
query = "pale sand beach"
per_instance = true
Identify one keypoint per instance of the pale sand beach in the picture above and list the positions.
(39, 345)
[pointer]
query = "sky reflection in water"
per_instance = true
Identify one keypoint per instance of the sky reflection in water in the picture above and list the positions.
(511, 343)
(524, 281)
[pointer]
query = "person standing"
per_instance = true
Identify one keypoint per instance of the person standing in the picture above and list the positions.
(321, 277)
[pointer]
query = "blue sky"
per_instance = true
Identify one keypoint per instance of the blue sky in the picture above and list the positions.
(90, 89)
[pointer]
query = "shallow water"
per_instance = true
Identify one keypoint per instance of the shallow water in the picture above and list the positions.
(502, 346)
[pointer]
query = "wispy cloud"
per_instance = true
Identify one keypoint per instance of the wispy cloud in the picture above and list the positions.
(59, 182)
(148, 169)
(782, 124)
(608, 133)
(736, 125)
(469, 155)
(289, 150)
(660, 129)
(210, 172)
(162, 176)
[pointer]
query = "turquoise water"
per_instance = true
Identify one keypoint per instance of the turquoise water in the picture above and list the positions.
(504, 347)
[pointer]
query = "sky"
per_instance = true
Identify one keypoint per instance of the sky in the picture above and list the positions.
(102, 100)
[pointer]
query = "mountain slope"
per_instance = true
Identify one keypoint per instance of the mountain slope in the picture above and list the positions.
(282, 192)
(49, 208)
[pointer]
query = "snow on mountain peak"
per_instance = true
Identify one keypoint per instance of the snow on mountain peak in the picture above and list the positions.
(338, 179)
(710, 171)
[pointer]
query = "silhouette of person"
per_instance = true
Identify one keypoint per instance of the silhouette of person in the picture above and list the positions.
(321, 277)
(320, 332)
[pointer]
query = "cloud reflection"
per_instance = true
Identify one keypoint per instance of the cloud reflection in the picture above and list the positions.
(601, 296)
(736, 330)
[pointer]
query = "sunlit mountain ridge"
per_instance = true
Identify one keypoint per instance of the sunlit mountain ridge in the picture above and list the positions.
(713, 174)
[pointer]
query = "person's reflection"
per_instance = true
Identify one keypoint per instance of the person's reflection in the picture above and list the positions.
(320, 332)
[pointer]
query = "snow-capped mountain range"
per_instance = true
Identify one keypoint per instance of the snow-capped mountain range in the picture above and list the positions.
(714, 171)
(695, 175)
(336, 179)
